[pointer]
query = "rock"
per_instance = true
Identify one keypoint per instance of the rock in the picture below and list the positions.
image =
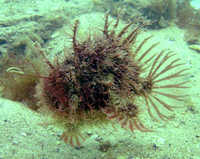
(195, 47)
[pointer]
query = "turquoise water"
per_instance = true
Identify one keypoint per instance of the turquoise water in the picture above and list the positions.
(99, 79)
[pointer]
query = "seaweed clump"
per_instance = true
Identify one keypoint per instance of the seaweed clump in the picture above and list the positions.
(19, 72)
(104, 78)
(188, 19)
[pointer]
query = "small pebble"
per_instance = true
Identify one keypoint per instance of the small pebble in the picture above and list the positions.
(172, 39)
(14, 142)
(23, 134)
(98, 138)
(104, 147)
(89, 133)
(57, 150)
(58, 142)
(130, 157)
(155, 147)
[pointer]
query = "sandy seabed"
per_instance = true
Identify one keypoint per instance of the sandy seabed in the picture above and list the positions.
(23, 137)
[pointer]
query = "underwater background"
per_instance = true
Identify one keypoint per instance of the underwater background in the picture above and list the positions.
(26, 133)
